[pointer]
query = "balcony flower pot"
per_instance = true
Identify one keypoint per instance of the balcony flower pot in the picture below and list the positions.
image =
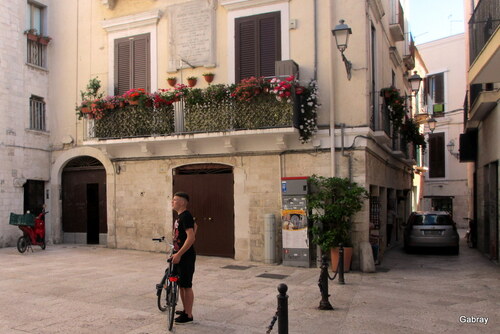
(44, 40)
(209, 77)
(172, 81)
(192, 81)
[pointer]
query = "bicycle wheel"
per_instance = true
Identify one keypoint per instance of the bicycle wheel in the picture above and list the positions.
(172, 296)
(161, 292)
(22, 244)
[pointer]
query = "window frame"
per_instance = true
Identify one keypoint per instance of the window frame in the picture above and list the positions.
(37, 117)
(442, 153)
(30, 8)
(284, 10)
(430, 93)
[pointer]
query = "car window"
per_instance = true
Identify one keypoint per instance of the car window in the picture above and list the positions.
(432, 220)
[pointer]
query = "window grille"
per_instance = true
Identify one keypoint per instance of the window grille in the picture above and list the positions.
(36, 53)
(37, 113)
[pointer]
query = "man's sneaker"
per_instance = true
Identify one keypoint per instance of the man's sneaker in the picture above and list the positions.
(183, 318)
(179, 312)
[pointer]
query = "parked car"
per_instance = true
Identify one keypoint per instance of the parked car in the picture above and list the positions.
(431, 229)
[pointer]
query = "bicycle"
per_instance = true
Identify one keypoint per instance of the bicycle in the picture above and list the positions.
(167, 290)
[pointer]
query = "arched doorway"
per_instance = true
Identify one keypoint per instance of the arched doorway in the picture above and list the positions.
(84, 201)
(210, 187)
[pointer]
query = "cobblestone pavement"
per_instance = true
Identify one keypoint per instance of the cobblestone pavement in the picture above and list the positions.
(92, 289)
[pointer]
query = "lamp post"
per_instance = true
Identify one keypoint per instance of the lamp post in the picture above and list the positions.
(415, 81)
(431, 122)
(341, 34)
(451, 147)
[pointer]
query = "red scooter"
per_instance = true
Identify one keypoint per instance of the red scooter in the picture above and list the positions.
(33, 230)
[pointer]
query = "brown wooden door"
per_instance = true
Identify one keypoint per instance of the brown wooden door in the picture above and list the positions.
(212, 206)
(84, 202)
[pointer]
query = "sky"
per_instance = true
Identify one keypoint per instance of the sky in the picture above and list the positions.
(435, 19)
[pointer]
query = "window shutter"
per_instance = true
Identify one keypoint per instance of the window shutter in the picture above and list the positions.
(132, 63)
(246, 47)
(122, 66)
(141, 63)
(258, 45)
(439, 88)
(270, 44)
(436, 155)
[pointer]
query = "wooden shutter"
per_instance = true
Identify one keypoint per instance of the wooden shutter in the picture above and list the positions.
(439, 88)
(436, 155)
(132, 63)
(258, 45)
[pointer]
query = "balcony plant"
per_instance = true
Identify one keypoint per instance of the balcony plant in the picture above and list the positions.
(333, 201)
(395, 106)
(192, 81)
(209, 77)
(91, 93)
(172, 81)
(137, 96)
(411, 134)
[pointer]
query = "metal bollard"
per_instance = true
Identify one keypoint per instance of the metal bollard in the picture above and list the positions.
(282, 309)
(341, 264)
(324, 304)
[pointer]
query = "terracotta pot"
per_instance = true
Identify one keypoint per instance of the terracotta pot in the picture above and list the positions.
(32, 37)
(44, 40)
(122, 104)
(347, 258)
(172, 82)
(85, 110)
(110, 105)
(208, 78)
(191, 82)
(133, 103)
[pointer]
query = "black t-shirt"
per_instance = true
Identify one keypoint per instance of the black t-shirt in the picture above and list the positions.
(182, 223)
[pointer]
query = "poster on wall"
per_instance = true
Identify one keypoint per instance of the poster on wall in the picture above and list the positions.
(294, 226)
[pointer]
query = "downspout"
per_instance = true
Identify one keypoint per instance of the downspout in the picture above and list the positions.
(348, 155)
(332, 92)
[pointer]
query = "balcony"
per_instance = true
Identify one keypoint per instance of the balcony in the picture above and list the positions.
(397, 21)
(183, 118)
(409, 52)
(484, 43)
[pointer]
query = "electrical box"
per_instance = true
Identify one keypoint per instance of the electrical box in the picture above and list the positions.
(285, 68)
(294, 224)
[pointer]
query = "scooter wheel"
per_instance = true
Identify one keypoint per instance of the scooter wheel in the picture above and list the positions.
(43, 245)
(22, 244)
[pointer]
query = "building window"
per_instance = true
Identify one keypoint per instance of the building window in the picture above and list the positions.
(442, 204)
(132, 63)
(35, 22)
(258, 45)
(434, 93)
(436, 155)
(37, 113)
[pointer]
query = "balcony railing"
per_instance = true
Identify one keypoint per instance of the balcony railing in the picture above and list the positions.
(409, 51)
(180, 118)
(482, 25)
(36, 53)
(397, 21)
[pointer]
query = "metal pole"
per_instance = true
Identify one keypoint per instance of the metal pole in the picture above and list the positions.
(282, 309)
(324, 304)
(341, 264)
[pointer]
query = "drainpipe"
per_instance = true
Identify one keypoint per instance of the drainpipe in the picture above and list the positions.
(331, 96)
(348, 155)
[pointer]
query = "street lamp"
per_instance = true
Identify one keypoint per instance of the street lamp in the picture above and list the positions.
(431, 122)
(451, 148)
(341, 33)
(415, 81)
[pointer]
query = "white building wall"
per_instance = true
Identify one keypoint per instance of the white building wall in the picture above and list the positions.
(24, 153)
(454, 184)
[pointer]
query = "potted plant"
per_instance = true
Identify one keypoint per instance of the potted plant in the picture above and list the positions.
(172, 81)
(192, 81)
(334, 201)
(44, 40)
(209, 77)
(90, 94)
(136, 96)
(31, 34)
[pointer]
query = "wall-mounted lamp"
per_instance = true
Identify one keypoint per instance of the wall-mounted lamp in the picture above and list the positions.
(341, 33)
(415, 81)
(451, 148)
(431, 122)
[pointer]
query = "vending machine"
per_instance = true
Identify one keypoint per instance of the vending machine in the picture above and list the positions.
(294, 225)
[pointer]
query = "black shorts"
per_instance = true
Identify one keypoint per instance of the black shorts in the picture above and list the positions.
(185, 270)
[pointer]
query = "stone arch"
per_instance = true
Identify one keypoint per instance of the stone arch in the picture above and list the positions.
(54, 217)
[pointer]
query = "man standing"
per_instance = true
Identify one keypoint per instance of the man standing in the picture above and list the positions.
(184, 254)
